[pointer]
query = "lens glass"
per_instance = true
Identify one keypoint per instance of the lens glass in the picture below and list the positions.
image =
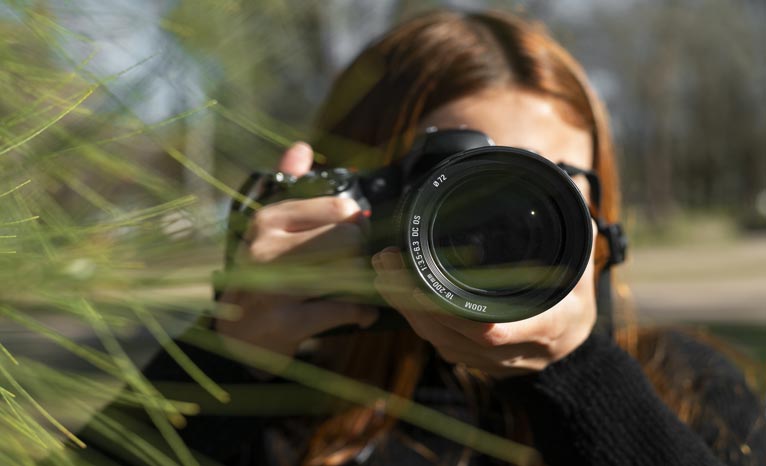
(498, 233)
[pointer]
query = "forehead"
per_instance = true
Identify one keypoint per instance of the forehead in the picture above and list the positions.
(518, 118)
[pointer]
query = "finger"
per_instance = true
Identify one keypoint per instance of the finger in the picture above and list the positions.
(453, 346)
(328, 242)
(297, 159)
(299, 280)
(397, 283)
(296, 319)
(390, 263)
(486, 335)
(394, 283)
(502, 361)
(398, 289)
(306, 214)
(443, 338)
(441, 330)
(389, 259)
(313, 318)
(282, 322)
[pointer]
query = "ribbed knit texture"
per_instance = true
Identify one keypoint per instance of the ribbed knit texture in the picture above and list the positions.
(596, 407)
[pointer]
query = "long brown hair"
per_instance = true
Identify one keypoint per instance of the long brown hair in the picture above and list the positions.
(378, 101)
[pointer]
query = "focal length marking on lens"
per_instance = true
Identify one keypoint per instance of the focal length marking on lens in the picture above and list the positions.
(439, 288)
(420, 261)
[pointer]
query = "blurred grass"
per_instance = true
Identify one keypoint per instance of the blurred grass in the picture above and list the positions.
(110, 225)
(104, 234)
(81, 217)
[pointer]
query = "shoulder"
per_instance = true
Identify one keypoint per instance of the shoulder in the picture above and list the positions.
(707, 390)
(691, 362)
(694, 350)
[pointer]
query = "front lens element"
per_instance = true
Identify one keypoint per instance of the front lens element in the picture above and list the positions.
(497, 233)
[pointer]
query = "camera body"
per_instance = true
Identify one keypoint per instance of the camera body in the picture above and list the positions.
(492, 233)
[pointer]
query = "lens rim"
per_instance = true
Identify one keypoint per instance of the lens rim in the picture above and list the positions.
(420, 209)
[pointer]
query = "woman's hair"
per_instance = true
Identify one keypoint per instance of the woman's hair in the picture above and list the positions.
(370, 118)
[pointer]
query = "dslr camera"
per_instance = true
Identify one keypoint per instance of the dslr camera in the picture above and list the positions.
(492, 233)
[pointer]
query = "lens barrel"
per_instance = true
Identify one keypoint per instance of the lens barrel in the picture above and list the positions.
(497, 234)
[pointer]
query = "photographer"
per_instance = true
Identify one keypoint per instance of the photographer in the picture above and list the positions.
(550, 380)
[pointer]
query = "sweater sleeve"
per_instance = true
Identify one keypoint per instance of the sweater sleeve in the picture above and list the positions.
(596, 407)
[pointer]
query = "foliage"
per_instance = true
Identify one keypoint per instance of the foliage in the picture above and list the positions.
(117, 159)
(111, 224)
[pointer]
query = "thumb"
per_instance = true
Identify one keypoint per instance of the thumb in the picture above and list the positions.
(297, 159)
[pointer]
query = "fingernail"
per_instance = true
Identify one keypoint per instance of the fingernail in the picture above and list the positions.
(301, 146)
(390, 258)
(296, 160)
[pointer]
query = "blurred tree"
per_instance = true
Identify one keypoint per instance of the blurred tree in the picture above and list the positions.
(689, 105)
(685, 81)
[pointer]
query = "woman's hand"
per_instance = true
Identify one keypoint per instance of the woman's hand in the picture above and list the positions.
(501, 349)
(294, 232)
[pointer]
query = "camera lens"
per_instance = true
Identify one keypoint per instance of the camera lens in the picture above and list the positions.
(496, 233)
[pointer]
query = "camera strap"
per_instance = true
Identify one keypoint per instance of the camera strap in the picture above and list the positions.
(617, 242)
(604, 304)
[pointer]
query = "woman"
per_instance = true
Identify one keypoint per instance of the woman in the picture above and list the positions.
(493, 73)
(549, 381)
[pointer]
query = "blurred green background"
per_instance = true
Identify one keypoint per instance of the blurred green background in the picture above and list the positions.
(126, 124)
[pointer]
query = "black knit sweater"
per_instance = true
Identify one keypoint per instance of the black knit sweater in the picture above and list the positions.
(595, 407)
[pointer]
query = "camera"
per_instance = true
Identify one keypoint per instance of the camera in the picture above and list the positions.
(492, 233)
